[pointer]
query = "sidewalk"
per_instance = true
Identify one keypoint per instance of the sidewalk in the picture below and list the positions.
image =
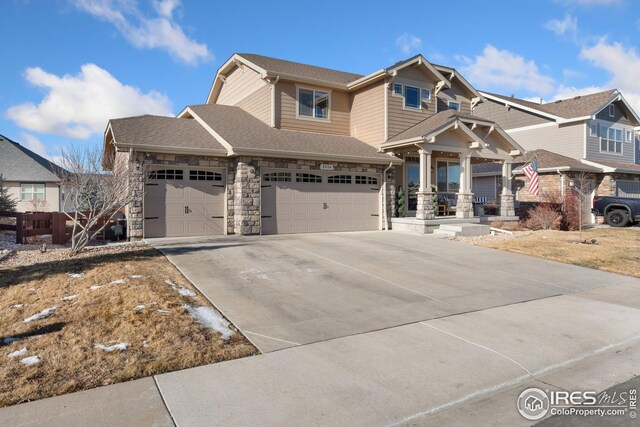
(462, 369)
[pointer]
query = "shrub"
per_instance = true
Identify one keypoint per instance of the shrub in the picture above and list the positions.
(545, 216)
(571, 214)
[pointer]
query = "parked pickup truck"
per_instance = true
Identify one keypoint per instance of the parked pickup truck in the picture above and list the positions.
(617, 211)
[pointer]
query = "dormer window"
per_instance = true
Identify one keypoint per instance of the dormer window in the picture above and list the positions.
(454, 106)
(313, 103)
(426, 94)
(411, 97)
(612, 110)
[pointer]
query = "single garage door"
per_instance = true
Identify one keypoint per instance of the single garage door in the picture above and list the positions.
(628, 189)
(314, 201)
(184, 202)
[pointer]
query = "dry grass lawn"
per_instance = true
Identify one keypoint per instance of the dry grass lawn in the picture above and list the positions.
(617, 249)
(160, 341)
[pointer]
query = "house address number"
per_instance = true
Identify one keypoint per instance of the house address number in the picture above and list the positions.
(324, 167)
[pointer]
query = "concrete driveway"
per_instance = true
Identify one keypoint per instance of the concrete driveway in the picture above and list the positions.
(283, 291)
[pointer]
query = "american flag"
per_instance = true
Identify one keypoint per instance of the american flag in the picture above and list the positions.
(531, 171)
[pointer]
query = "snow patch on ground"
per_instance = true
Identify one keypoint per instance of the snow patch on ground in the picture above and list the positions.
(18, 353)
(139, 307)
(136, 276)
(17, 306)
(182, 291)
(164, 312)
(75, 275)
(10, 340)
(70, 297)
(210, 318)
(94, 287)
(118, 282)
(122, 346)
(30, 360)
(43, 314)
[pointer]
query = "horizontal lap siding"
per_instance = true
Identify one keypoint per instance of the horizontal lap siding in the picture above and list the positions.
(400, 119)
(507, 118)
(239, 84)
(454, 94)
(367, 115)
(338, 124)
(594, 154)
(258, 104)
(565, 140)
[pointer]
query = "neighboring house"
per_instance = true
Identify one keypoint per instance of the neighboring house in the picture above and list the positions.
(285, 147)
(33, 181)
(596, 134)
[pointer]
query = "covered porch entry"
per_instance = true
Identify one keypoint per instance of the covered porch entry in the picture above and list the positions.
(436, 176)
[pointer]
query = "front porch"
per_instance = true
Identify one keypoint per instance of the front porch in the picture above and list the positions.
(427, 226)
(436, 176)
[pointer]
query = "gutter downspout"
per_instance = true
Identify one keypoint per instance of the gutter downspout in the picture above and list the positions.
(384, 198)
(273, 100)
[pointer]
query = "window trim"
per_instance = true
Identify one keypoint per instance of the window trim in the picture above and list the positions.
(404, 92)
(454, 102)
(428, 91)
(401, 94)
(612, 110)
(313, 89)
(33, 184)
(607, 152)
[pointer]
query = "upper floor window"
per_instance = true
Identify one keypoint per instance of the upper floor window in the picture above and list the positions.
(411, 97)
(593, 129)
(612, 110)
(313, 103)
(630, 137)
(610, 140)
(426, 94)
(397, 89)
(32, 191)
(454, 106)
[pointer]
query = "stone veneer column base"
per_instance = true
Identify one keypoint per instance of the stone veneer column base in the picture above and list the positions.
(464, 205)
(506, 205)
(424, 209)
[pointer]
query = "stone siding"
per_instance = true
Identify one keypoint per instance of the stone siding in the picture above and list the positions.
(243, 181)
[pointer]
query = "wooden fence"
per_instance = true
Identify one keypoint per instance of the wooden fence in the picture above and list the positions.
(38, 224)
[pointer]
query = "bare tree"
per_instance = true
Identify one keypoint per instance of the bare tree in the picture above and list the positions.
(92, 196)
(581, 186)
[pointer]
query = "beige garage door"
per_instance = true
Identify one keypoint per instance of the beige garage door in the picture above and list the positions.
(313, 201)
(184, 202)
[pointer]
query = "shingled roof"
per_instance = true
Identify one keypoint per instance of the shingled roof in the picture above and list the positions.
(248, 135)
(297, 69)
(433, 123)
(18, 163)
(165, 132)
(569, 108)
(546, 160)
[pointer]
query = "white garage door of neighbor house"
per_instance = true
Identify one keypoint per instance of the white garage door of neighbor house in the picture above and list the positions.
(628, 189)
(314, 201)
(184, 202)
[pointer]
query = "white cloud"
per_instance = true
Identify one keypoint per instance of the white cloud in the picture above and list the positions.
(33, 144)
(80, 106)
(569, 26)
(502, 69)
(622, 63)
(408, 43)
(148, 32)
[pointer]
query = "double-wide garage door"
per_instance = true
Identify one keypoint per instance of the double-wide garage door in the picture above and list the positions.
(314, 201)
(184, 202)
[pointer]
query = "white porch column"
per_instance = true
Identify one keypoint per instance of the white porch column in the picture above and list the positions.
(464, 206)
(424, 210)
(506, 198)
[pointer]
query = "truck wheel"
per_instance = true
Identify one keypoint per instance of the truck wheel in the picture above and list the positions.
(617, 218)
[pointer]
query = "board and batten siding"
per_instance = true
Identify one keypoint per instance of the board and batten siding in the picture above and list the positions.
(507, 118)
(618, 116)
(287, 109)
(258, 104)
(239, 84)
(367, 114)
(401, 118)
(567, 140)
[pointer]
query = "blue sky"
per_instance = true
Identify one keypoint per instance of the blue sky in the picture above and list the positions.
(70, 65)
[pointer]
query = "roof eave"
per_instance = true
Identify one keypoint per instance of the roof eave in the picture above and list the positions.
(522, 107)
(315, 156)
